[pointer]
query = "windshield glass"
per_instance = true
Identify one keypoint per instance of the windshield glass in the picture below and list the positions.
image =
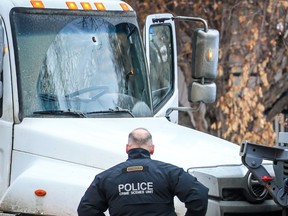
(82, 62)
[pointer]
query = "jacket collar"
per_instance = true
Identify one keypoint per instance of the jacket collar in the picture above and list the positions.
(138, 153)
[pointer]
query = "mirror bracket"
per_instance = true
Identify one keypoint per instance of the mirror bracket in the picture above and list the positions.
(193, 19)
(183, 109)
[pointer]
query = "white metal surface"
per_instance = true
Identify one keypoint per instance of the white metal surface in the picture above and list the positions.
(283, 137)
(6, 121)
(105, 139)
(62, 156)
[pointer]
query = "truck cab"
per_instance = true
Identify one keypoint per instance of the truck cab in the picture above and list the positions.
(75, 78)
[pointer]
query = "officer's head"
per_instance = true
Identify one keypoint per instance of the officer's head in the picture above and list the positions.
(140, 138)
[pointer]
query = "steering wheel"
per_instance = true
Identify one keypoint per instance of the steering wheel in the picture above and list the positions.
(100, 90)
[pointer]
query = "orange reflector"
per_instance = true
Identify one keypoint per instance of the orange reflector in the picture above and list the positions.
(124, 6)
(100, 6)
(40, 192)
(37, 4)
(72, 5)
(210, 55)
(86, 6)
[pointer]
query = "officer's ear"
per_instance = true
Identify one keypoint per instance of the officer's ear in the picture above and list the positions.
(151, 150)
(127, 148)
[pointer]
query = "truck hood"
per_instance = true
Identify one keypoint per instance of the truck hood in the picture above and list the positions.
(100, 143)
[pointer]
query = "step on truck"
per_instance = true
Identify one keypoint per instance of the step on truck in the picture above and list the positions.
(76, 77)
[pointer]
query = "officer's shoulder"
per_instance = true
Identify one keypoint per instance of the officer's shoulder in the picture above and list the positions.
(166, 165)
(112, 170)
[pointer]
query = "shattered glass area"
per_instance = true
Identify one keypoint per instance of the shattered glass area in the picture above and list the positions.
(80, 63)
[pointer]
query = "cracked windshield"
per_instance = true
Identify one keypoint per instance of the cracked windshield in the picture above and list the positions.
(80, 64)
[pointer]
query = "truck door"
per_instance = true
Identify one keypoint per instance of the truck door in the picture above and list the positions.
(6, 112)
(161, 52)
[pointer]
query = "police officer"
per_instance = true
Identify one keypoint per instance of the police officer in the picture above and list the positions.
(142, 186)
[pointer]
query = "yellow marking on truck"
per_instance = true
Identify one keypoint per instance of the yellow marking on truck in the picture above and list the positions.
(100, 6)
(72, 5)
(85, 5)
(124, 6)
(37, 4)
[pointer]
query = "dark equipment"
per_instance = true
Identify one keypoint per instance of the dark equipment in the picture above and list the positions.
(252, 156)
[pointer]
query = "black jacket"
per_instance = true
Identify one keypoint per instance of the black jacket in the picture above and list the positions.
(142, 186)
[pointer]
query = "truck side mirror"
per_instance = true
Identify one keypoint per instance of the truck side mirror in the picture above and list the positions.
(205, 93)
(205, 47)
(205, 53)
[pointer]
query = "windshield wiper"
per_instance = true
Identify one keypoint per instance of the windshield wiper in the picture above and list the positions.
(116, 110)
(61, 112)
(119, 109)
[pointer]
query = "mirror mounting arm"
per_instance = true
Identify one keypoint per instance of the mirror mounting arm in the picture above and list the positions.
(183, 109)
(193, 19)
(183, 18)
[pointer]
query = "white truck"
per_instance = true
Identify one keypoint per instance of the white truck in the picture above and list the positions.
(75, 79)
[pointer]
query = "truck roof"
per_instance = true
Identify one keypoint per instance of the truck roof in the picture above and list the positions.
(115, 5)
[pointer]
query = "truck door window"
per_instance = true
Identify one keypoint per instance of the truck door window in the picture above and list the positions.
(161, 66)
(82, 63)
